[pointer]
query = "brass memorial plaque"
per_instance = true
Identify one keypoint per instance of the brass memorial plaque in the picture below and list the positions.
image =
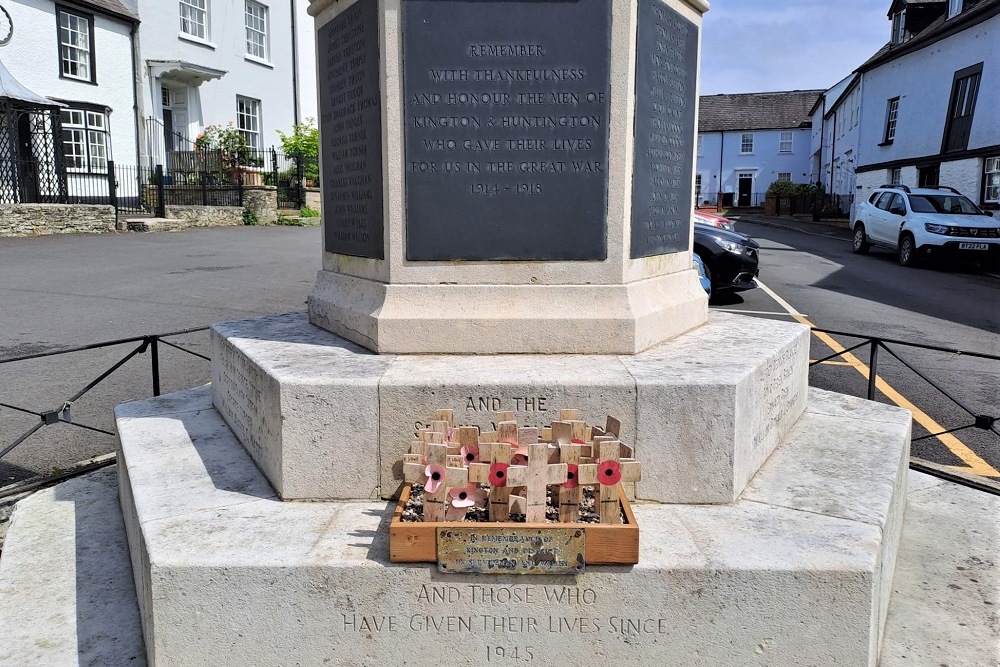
(511, 550)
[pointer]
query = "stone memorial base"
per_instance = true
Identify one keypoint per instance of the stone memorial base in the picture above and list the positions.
(796, 571)
(785, 558)
(508, 319)
(326, 419)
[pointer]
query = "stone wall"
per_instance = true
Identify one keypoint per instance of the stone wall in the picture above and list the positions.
(314, 199)
(204, 216)
(42, 219)
(263, 201)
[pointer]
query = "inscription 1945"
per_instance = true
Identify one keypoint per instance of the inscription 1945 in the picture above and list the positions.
(667, 56)
(507, 108)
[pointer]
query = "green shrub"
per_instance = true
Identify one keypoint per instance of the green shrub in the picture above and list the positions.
(250, 216)
(307, 212)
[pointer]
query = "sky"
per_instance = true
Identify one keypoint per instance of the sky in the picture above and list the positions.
(751, 46)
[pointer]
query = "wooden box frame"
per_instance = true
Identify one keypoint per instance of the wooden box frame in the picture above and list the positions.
(606, 544)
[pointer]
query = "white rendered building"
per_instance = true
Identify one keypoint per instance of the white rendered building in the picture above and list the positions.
(215, 62)
(746, 141)
(80, 55)
(930, 101)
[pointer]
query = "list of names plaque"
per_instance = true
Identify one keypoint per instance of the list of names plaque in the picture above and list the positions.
(666, 63)
(351, 131)
(506, 129)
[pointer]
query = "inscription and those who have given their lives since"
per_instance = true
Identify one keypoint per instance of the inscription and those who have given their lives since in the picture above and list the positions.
(351, 131)
(506, 129)
(506, 620)
(664, 130)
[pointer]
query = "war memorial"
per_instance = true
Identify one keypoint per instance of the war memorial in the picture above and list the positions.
(506, 263)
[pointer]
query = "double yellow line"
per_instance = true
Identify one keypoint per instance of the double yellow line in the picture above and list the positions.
(974, 464)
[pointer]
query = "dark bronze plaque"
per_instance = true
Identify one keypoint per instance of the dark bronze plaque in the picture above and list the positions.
(666, 67)
(506, 112)
(511, 550)
(351, 132)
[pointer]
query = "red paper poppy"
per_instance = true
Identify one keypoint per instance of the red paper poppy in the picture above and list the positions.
(609, 473)
(572, 476)
(498, 474)
(577, 441)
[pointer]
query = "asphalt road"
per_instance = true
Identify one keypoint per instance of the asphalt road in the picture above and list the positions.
(63, 291)
(812, 270)
(59, 292)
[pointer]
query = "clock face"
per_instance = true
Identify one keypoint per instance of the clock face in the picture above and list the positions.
(6, 27)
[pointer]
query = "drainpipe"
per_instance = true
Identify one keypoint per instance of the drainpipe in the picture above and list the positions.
(833, 150)
(718, 194)
(136, 98)
(295, 66)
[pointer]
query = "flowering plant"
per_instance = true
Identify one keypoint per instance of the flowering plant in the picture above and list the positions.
(232, 145)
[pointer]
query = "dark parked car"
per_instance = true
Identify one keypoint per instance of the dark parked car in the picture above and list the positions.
(730, 258)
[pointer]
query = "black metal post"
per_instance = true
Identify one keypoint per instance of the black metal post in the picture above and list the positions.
(154, 360)
(161, 204)
(873, 368)
(113, 187)
(204, 188)
(300, 180)
(239, 186)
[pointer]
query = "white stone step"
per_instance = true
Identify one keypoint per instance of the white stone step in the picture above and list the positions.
(293, 392)
(149, 224)
(66, 591)
(944, 606)
(798, 568)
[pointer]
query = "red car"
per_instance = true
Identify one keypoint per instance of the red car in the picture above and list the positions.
(714, 219)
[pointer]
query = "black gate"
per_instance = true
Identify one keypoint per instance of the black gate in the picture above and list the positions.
(32, 164)
(289, 177)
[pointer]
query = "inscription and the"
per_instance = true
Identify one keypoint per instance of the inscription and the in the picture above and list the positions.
(666, 63)
(351, 131)
(506, 126)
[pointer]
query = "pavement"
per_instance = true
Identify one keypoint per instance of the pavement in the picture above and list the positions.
(826, 228)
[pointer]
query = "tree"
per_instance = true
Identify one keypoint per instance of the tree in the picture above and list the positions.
(303, 144)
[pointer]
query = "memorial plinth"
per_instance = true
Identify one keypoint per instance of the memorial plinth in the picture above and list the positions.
(507, 177)
(507, 227)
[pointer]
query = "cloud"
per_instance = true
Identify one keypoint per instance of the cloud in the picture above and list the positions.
(762, 45)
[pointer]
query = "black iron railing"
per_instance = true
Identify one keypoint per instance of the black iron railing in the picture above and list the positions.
(874, 345)
(62, 413)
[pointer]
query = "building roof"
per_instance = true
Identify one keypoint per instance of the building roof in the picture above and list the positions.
(756, 111)
(12, 89)
(939, 29)
(114, 7)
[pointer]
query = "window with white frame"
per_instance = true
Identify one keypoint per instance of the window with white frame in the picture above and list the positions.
(697, 189)
(896, 176)
(701, 145)
(954, 7)
(899, 27)
(991, 180)
(746, 142)
(785, 144)
(194, 18)
(891, 112)
(784, 175)
(248, 120)
(76, 46)
(85, 140)
(256, 19)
